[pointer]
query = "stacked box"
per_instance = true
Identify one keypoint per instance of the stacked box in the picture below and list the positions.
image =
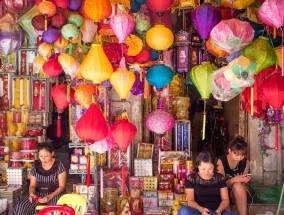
(166, 199)
(183, 136)
(150, 199)
(16, 176)
(11, 193)
(143, 167)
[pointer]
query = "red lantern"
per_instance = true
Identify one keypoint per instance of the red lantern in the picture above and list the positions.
(123, 133)
(62, 4)
(143, 57)
(52, 68)
(92, 126)
(59, 96)
(159, 6)
(272, 91)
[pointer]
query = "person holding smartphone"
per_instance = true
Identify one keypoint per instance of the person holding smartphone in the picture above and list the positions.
(235, 167)
(206, 189)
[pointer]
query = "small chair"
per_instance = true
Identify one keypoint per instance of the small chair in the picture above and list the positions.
(65, 209)
(76, 201)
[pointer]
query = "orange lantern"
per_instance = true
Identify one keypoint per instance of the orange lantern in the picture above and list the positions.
(122, 80)
(84, 93)
(61, 44)
(96, 66)
(47, 9)
(215, 50)
(97, 10)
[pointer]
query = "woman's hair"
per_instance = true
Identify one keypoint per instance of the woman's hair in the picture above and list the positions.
(238, 144)
(46, 146)
(206, 157)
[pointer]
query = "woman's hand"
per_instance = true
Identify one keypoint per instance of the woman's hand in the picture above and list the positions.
(204, 211)
(218, 212)
(33, 197)
(44, 199)
(241, 179)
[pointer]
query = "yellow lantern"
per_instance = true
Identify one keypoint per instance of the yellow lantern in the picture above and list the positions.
(61, 44)
(38, 64)
(279, 55)
(122, 81)
(45, 50)
(96, 66)
(159, 37)
(238, 4)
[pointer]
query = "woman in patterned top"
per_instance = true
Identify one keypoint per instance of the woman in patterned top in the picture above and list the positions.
(235, 167)
(206, 190)
(47, 182)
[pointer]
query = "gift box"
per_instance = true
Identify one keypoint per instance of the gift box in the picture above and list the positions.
(136, 183)
(166, 203)
(5, 91)
(183, 136)
(25, 61)
(40, 94)
(150, 194)
(150, 202)
(162, 195)
(182, 51)
(150, 183)
(143, 167)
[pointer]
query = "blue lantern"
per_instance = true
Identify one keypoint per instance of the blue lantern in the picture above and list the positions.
(134, 6)
(154, 55)
(140, 1)
(159, 76)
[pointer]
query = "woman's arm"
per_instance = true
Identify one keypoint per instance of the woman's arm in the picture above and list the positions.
(61, 188)
(32, 188)
(225, 200)
(190, 201)
(232, 180)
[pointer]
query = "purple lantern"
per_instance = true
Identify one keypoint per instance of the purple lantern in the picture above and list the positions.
(50, 35)
(204, 18)
(138, 86)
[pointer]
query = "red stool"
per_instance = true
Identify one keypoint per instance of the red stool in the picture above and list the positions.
(66, 210)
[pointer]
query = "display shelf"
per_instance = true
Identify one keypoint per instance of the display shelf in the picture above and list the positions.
(28, 151)
(74, 172)
(77, 145)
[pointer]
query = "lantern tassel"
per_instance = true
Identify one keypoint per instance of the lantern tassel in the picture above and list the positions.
(68, 92)
(58, 125)
(88, 179)
(123, 181)
(45, 23)
(276, 138)
(251, 100)
(204, 120)
(282, 50)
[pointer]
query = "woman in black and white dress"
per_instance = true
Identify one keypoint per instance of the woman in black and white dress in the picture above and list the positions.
(47, 182)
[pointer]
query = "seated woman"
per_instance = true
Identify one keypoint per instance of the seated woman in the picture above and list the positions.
(47, 182)
(206, 189)
(235, 167)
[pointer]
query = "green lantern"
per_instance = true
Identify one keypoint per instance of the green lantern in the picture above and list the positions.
(142, 26)
(261, 52)
(76, 20)
(70, 32)
(201, 77)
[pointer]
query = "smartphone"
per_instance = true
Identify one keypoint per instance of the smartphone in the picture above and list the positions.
(249, 174)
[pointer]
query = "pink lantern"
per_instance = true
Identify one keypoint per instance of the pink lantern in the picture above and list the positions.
(122, 24)
(160, 122)
(232, 35)
(88, 29)
(271, 13)
(103, 145)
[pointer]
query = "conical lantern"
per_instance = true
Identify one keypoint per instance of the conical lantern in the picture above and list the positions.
(159, 37)
(122, 80)
(272, 91)
(69, 64)
(204, 18)
(201, 77)
(85, 93)
(52, 68)
(159, 6)
(122, 24)
(96, 66)
(59, 96)
(92, 126)
(97, 10)
(159, 76)
(261, 52)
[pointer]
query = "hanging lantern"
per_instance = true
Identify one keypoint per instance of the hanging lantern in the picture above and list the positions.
(45, 50)
(133, 45)
(88, 29)
(19, 6)
(47, 9)
(62, 4)
(59, 96)
(232, 35)
(204, 18)
(76, 20)
(70, 32)
(50, 35)
(38, 22)
(69, 64)
(160, 122)
(143, 57)
(96, 66)
(122, 80)
(122, 24)
(142, 26)
(92, 126)
(159, 37)
(272, 91)
(38, 64)
(52, 68)
(58, 20)
(261, 52)
(201, 76)
(159, 76)
(61, 44)
(278, 51)
(215, 50)
(96, 10)
(271, 13)
(85, 94)
(123, 133)
(237, 4)
(159, 6)
(74, 5)
(103, 145)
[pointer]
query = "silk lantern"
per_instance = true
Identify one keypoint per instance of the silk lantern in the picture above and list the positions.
(215, 50)
(232, 35)
(52, 68)
(142, 26)
(159, 75)
(50, 35)
(76, 20)
(201, 77)
(103, 145)
(45, 50)
(237, 4)
(96, 10)
(278, 51)
(122, 24)
(69, 64)
(70, 32)
(261, 52)
(204, 18)
(74, 5)
(61, 4)
(38, 63)
(92, 126)
(18, 6)
(58, 20)
(122, 81)
(85, 93)
(47, 9)
(271, 13)
(159, 6)
(38, 22)
(272, 91)
(61, 44)
(59, 96)
(143, 57)
(88, 29)
(96, 66)
(159, 37)
(133, 46)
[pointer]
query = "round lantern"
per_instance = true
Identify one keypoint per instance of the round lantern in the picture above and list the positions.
(62, 4)
(69, 64)
(52, 68)
(160, 122)
(74, 5)
(92, 126)
(50, 35)
(123, 133)
(159, 6)
(47, 9)
(97, 10)
(143, 57)
(215, 50)
(159, 76)
(38, 63)
(61, 44)
(58, 20)
(45, 50)
(142, 26)
(38, 22)
(76, 20)
(96, 66)
(18, 6)
(69, 31)
(85, 93)
(159, 37)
